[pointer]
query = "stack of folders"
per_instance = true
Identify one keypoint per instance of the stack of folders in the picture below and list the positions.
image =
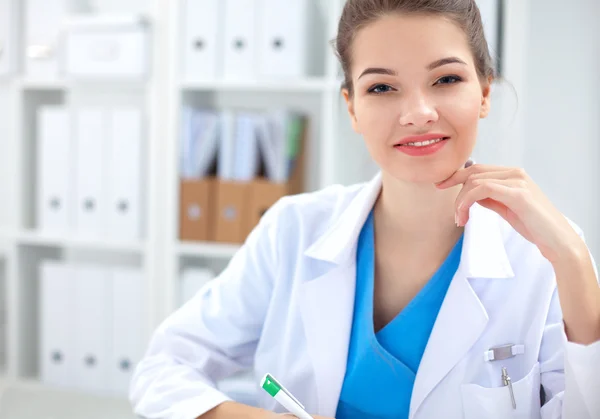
(234, 166)
(89, 171)
(90, 321)
(247, 39)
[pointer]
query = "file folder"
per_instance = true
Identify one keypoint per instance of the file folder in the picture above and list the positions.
(195, 210)
(127, 321)
(55, 155)
(240, 46)
(56, 320)
(92, 328)
(283, 38)
(202, 34)
(91, 134)
(125, 167)
(231, 199)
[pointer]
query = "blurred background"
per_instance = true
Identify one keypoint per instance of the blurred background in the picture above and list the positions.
(141, 140)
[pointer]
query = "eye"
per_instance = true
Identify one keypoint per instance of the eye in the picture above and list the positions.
(380, 88)
(449, 80)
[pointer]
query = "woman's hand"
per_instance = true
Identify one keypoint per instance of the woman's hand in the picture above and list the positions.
(512, 194)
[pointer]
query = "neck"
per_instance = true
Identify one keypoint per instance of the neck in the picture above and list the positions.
(416, 212)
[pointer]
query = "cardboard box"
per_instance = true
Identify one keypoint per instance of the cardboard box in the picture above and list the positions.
(196, 217)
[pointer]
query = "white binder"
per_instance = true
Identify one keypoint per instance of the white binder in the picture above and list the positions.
(128, 302)
(56, 317)
(43, 49)
(192, 280)
(91, 331)
(90, 134)
(283, 38)
(226, 150)
(55, 194)
(8, 17)
(124, 173)
(201, 52)
(240, 47)
(246, 150)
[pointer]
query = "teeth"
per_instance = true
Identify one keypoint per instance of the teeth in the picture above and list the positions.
(424, 143)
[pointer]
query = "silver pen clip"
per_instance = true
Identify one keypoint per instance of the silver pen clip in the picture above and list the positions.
(508, 383)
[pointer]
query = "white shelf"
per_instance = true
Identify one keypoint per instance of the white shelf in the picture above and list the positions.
(316, 84)
(207, 249)
(66, 84)
(37, 238)
(24, 399)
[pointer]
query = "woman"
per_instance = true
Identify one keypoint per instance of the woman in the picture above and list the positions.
(438, 289)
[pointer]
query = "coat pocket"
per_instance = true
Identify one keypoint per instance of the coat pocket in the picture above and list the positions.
(495, 403)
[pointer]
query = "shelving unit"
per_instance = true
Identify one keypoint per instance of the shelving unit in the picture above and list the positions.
(335, 155)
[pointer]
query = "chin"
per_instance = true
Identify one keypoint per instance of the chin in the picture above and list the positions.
(431, 174)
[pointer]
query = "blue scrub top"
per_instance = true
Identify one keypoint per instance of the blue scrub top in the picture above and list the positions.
(381, 367)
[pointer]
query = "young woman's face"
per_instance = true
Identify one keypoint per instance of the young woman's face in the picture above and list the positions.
(415, 76)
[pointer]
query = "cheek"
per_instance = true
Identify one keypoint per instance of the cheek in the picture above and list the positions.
(462, 114)
(375, 117)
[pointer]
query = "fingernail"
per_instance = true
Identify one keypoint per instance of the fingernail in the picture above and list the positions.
(469, 163)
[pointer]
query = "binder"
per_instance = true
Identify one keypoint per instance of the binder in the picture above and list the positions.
(43, 19)
(201, 52)
(56, 315)
(226, 157)
(265, 192)
(283, 38)
(55, 193)
(127, 320)
(125, 173)
(245, 150)
(90, 133)
(92, 327)
(195, 210)
(192, 280)
(240, 47)
(231, 199)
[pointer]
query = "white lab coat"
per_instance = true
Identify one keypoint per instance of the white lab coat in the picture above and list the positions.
(284, 305)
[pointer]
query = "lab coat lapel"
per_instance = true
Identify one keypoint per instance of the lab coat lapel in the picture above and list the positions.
(462, 318)
(327, 297)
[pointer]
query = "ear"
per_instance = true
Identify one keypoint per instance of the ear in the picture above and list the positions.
(350, 105)
(486, 92)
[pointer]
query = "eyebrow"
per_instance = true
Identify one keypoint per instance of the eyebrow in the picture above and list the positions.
(432, 66)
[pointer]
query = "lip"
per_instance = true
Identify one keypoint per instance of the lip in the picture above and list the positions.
(420, 138)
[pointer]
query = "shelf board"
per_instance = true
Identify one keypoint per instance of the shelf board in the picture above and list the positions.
(208, 249)
(25, 398)
(65, 84)
(315, 84)
(36, 238)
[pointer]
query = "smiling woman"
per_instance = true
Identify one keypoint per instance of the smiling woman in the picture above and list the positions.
(440, 289)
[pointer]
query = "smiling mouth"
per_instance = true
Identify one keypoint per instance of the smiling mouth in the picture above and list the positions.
(423, 143)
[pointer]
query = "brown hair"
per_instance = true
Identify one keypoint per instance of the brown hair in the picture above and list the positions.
(359, 13)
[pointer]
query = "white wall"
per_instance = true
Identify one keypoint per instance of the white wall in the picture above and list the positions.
(561, 147)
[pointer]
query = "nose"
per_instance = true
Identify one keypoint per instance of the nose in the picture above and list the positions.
(417, 111)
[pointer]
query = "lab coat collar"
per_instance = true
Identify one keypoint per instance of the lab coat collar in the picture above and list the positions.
(483, 254)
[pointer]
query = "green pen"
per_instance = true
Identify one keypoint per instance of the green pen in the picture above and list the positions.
(284, 397)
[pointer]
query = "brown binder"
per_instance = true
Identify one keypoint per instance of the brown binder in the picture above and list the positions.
(231, 204)
(195, 214)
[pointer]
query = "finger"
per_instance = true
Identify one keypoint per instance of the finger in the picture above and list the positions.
(508, 193)
(462, 175)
